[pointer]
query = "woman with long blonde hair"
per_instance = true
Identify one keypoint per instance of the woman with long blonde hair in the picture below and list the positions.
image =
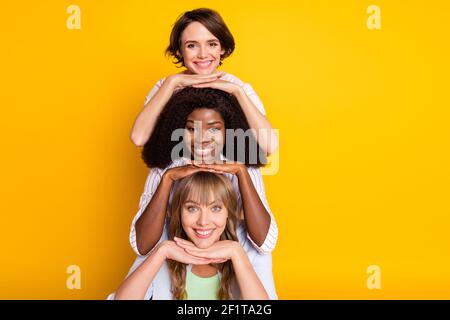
(204, 260)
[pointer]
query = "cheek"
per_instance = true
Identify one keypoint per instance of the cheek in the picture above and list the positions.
(187, 220)
(217, 50)
(188, 137)
(189, 54)
(220, 138)
(220, 220)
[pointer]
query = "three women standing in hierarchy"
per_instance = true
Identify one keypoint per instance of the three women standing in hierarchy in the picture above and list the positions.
(204, 225)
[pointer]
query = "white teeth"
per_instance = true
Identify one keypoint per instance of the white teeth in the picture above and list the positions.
(204, 63)
(203, 233)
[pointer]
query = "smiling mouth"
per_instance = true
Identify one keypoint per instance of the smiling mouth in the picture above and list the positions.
(203, 64)
(203, 233)
(206, 150)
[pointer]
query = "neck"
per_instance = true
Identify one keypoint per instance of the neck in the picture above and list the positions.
(204, 270)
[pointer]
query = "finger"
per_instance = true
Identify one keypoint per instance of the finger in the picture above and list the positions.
(184, 242)
(195, 260)
(177, 239)
(207, 167)
(204, 84)
(184, 245)
(214, 169)
(202, 76)
(198, 253)
(219, 260)
(212, 75)
(201, 164)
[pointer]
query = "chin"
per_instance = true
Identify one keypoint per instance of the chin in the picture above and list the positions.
(203, 245)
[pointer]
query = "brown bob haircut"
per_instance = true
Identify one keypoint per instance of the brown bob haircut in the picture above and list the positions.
(212, 21)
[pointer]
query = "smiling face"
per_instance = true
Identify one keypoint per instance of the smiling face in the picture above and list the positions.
(204, 223)
(204, 209)
(205, 132)
(200, 49)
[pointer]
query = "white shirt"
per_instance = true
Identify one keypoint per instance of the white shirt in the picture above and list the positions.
(154, 178)
(160, 288)
(228, 77)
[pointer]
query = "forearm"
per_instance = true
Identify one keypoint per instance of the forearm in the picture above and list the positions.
(264, 134)
(146, 120)
(150, 225)
(249, 283)
(257, 219)
(136, 284)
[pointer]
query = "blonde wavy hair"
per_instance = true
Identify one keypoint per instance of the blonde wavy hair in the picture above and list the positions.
(203, 187)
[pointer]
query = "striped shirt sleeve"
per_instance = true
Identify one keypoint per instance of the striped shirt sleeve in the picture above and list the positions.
(153, 91)
(272, 235)
(151, 184)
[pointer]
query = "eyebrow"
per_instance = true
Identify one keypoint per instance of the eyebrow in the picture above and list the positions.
(214, 202)
(210, 40)
(209, 123)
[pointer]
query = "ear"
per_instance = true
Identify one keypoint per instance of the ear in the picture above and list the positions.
(222, 52)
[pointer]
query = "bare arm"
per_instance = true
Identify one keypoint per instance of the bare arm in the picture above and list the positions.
(265, 135)
(150, 225)
(146, 120)
(249, 283)
(135, 286)
(256, 216)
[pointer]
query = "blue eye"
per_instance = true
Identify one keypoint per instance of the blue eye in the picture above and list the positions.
(216, 209)
(192, 209)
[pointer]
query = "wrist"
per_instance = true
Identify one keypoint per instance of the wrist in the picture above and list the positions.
(167, 177)
(237, 252)
(237, 91)
(161, 251)
(241, 170)
(171, 82)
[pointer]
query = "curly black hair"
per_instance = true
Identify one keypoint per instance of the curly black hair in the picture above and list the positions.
(157, 151)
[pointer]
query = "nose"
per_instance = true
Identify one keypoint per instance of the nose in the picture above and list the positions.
(202, 52)
(203, 218)
(202, 136)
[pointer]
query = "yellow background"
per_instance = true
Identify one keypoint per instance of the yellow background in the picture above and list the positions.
(363, 118)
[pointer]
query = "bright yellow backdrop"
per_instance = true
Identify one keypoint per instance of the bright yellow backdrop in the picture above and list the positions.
(364, 129)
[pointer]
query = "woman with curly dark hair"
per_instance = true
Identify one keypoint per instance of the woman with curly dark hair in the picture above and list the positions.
(203, 116)
(160, 150)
